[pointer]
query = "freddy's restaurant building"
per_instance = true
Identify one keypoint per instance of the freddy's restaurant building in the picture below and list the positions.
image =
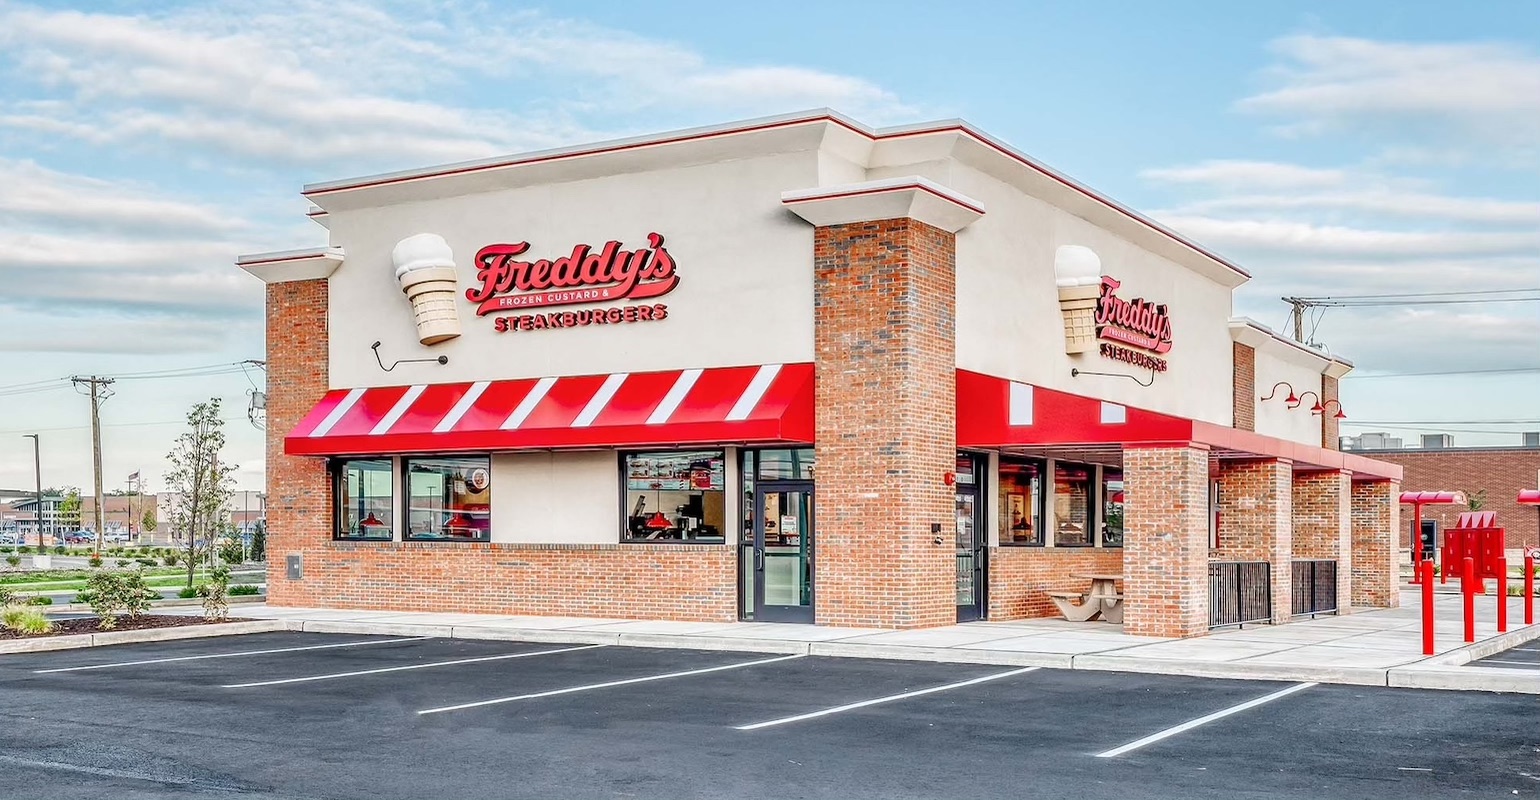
(794, 369)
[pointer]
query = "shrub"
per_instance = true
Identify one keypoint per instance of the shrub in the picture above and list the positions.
(187, 592)
(59, 549)
(95, 561)
(29, 621)
(24, 550)
(7, 596)
(114, 593)
(216, 601)
(14, 561)
(40, 601)
(1516, 591)
(122, 562)
(145, 562)
(244, 589)
(170, 560)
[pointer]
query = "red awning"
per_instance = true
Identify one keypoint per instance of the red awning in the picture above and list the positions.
(768, 404)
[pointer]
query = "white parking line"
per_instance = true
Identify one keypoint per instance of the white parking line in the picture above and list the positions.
(429, 665)
(229, 655)
(1501, 661)
(1204, 720)
(608, 684)
(890, 698)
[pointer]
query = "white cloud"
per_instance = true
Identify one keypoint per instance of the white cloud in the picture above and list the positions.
(1248, 174)
(33, 194)
(295, 83)
(1304, 238)
(1386, 202)
(1325, 83)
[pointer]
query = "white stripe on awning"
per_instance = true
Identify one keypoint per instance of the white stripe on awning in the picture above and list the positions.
(675, 396)
(399, 409)
(337, 414)
(1020, 412)
(600, 399)
(756, 392)
(527, 405)
(461, 406)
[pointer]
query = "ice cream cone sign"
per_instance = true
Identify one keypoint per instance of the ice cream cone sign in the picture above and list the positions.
(1077, 272)
(425, 266)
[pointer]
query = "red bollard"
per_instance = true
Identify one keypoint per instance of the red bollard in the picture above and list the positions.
(1529, 590)
(1502, 595)
(1425, 571)
(1468, 590)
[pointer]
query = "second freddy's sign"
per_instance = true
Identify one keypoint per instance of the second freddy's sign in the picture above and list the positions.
(586, 275)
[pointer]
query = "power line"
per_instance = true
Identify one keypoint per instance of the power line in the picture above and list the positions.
(1450, 293)
(1498, 371)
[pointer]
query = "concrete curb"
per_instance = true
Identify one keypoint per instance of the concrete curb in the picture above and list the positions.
(1485, 647)
(1470, 679)
(1004, 658)
(1352, 676)
(76, 641)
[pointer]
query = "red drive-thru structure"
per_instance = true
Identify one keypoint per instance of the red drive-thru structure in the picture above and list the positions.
(1417, 500)
(795, 370)
(1477, 536)
(1530, 497)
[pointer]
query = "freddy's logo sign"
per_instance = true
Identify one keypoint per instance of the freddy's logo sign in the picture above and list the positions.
(1136, 322)
(586, 275)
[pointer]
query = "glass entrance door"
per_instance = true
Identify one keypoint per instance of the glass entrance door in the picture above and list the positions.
(972, 574)
(783, 551)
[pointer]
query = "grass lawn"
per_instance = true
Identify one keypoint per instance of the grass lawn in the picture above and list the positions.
(66, 580)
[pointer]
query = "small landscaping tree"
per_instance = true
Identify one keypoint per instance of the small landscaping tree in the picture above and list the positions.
(199, 481)
(259, 541)
(148, 521)
(216, 595)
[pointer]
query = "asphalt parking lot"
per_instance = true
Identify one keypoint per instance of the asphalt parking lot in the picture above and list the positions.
(1522, 657)
(294, 715)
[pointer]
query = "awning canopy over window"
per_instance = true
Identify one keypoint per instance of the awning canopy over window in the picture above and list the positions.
(770, 404)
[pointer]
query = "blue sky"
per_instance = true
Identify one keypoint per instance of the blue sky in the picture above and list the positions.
(1332, 148)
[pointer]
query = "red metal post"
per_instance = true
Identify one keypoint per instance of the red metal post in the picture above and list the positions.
(1468, 590)
(1417, 543)
(1502, 595)
(1529, 590)
(1425, 571)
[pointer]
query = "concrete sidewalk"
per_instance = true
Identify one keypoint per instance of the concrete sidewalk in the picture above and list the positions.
(1381, 647)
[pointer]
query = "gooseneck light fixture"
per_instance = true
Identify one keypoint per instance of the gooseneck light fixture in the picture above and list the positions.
(1328, 404)
(1290, 401)
(1315, 407)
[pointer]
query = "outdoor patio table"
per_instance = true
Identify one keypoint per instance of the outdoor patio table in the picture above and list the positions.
(1104, 590)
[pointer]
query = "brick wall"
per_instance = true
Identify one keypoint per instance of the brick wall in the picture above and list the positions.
(1245, 383)
(1323, 524)
(1376, 518)
(1501, 471)
(1256, 522)
(885, 354)
(1330, 426)
(1165, 541)
(632, 581)
(298, 489)
(1020, 577)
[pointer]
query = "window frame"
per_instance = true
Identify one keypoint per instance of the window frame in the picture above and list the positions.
(1092, 503)
(406, 498)
(623, 531)
(1042, 501)
(338, 469)
(1101, 507)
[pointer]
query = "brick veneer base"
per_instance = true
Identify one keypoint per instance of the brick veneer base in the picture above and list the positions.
(1021, 577)
(1165, 541)
(677, 582)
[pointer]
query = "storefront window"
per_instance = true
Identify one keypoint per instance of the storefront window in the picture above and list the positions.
(364, 500)
(1112, 507)
(675, 496)
(449, 498)
(1021, 492)
(785, 465)
(1071, 505)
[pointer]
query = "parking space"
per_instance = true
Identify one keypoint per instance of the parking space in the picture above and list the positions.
(1525, 656)
(301, 715)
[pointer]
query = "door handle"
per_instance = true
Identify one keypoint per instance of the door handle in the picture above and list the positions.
(759, 560)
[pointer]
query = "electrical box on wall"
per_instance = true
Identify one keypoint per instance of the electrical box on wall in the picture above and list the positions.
(293, 567)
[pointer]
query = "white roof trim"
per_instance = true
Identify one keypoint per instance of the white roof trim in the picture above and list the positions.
(910, 197)
(292, 265)
(1254, 334)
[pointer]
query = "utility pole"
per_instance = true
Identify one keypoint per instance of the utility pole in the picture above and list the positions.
(98, 394)
(37, 470)
(1297, 316)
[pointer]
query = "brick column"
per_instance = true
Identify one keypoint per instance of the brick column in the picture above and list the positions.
(1256, 522)
(1376, 511)
(886, 399)
(1330, 428)
(298, 489)
(1165, 541)
(1323, 527)
(1244, 373)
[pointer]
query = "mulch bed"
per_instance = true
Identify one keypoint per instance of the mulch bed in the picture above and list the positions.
(65, 627)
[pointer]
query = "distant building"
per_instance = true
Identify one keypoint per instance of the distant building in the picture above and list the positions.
(120, 513)
(243, 510)
(21, 515)
(1440, 465)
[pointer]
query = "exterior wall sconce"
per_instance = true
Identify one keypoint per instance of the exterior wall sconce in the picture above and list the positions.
(1316, 408)
(1290, 401)
(1328, 404)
